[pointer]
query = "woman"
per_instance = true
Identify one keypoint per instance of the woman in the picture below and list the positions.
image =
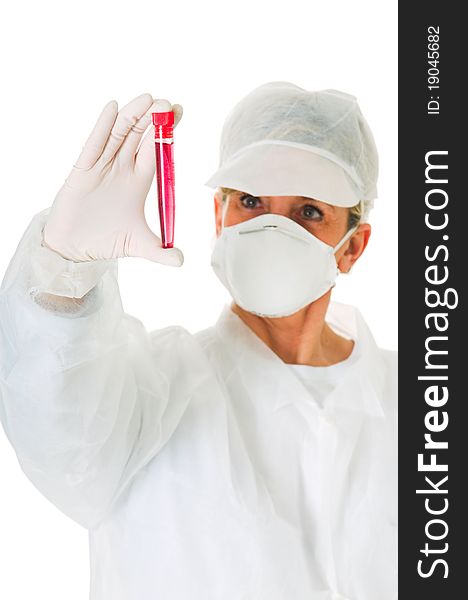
(257, 458)
(303, 337)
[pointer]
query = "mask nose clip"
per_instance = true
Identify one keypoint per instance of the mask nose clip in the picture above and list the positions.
(254, 229)
(273, 228)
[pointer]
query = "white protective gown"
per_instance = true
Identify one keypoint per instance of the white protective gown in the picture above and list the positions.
(201, 464)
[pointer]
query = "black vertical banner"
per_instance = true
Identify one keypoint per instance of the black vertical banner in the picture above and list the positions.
(433, 261)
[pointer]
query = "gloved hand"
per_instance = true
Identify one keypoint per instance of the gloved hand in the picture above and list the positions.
(99, 211)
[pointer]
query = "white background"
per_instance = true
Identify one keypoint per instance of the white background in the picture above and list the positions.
(61, 62)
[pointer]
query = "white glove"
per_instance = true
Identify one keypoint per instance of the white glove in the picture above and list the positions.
(99, 211)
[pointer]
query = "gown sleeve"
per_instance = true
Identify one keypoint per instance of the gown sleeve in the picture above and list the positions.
(87, 395)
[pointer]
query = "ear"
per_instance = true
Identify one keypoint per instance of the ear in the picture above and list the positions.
(353, 248)
(218, 207)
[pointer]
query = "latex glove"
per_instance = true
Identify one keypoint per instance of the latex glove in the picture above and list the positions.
(99, 211)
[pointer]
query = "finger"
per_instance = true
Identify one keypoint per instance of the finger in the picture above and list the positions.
(98, 137)
(130, 144)
(126, 119)
(178, 112)
(145, 160)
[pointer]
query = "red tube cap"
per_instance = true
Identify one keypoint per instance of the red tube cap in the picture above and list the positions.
(163, 118)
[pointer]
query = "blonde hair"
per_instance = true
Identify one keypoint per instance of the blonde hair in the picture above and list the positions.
(354, 217)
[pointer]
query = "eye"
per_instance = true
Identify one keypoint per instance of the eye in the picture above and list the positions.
(311, 212)
(249, 201)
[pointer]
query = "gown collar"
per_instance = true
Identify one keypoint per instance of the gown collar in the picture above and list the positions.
(264, 374)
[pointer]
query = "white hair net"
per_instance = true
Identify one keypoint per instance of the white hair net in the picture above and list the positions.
(282, 140)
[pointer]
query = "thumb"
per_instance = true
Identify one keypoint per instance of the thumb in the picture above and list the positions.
(148, 245)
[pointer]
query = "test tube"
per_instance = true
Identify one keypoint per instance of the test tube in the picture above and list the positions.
(164, 151)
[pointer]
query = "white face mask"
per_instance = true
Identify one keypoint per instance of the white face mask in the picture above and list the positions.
(272, 266)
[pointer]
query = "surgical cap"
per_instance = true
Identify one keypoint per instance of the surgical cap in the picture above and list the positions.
(282, 140)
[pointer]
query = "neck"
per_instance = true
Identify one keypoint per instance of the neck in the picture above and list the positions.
(303, 338)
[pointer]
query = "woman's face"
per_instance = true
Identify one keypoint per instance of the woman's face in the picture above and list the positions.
(326, 222)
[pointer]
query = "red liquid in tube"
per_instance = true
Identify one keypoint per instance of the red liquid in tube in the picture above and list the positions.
(164, 152)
